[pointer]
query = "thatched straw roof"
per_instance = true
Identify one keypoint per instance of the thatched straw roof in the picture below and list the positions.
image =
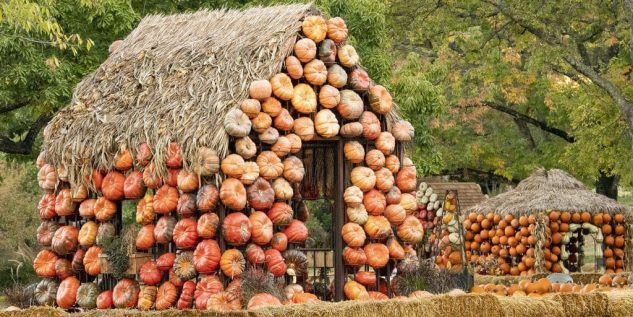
(172, 79)
(550, 190)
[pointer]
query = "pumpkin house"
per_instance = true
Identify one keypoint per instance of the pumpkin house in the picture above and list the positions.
(550, 222)
(217, 125)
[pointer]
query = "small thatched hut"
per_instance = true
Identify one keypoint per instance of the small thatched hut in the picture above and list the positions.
(217, 125)
(549, 222)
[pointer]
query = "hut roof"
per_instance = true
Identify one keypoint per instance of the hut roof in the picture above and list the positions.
(469, 194)
(172, 79)
(550, 190)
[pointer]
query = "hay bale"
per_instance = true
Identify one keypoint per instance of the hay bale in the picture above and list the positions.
(497, 279)
(621, 302)
(518, 306)
(468, 305)
(583, 304)
(36, 311)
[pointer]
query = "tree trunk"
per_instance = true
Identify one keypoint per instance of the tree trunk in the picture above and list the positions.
(608, 185)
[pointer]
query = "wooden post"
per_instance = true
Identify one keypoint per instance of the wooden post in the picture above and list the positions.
(339, 219)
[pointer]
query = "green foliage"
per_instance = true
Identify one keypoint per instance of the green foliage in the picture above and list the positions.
(319, 223)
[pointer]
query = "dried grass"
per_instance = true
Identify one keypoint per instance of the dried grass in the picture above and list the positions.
(518, 306)
(620, 302)
(579, 304)
(550, 190)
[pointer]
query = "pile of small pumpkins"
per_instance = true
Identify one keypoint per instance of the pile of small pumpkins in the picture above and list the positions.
(322, 84)
(543, 286)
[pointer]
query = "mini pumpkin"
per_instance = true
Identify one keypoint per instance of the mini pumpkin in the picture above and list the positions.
(395, 249)
(374, 202)
(271, 106)
(260, 194)
(347, 56)
(64, 204)
(280, 213)
(329, 97)
(187, 181)
(304, 99)
(251, 107)
(145, 237)
(67, 292)
(185, 301)
(386, 143)
(380, 99)
(207, 197)
(351, 130)
(275, 262)
(236, 228)
(406, 177)
(351, 105)
(403, 131)
(92, 262)
(206, 257)
(353, 196)
(336, 76)
(47, 177)
(207, 225)
(293, 169)
(315, 72)
(46, 206)
(185, 233)
(363, 178)
(279, 242)
(378, 227)
(392, 162)
(409, 203)
(165, 200)
(296, 231)
(337, 30)
(151, 178)
(45, 232)
(245, 147)
(79, 193)
(269, 136)
(283, 190)
(281, 147)
(326, 123)
(354, 256)
(233, 194)
(377, 255)
(87, 234)
(270, 166)
(163, 232)
(166, 296)
(174, 156)
(395, 214)
(371, 125)
(261, 122)
(315, 28)
(295, 143)
(123, 160)
(411, 230)
(251, 173)
(283, 121)
(353, 235)
(293, 67)
(186, 205)
(237, 123)
(65, 240)
(384, 180)
(44, 263)
(282, 86)
(143, 154)
(327, 51)
(232, 263)
(354, 151)
(305, 50)
(233, 165)
(304, 128)
(359, 80)
(133, 187)
(260, 89)
(255, 254)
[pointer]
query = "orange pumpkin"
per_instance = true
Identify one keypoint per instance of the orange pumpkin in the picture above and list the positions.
(174, 156)
(395, 213)
(409, 203)
(163, 232)
(104, 300)
(262, 228)
(166, 296)
(87, 234)
(261, 122)
(251, 173)
(255, 254)
(406, 177)
(143, 154)
(165, 200)
(363, 178)
(315, 28)
(336, 76)
(271, 106)
(393, 196)
(374, 202)
(233, 165)
(186, 205)
(233, 194)
(269, 136)
(236, 228)
(280, 213)
(354, 151)
(380, 100)
(133, 187)
(378, 227)
(355, 291)
(67, 292)
(113, 186)
(351, 130)
(282, 146)
(326, 123)
(371, 125)
(304, 98)
(207, 225)
(385, 143)
(282, 188)
(295, 142)
(293, 67)
(185, 301)
(145, 237)
(250, 107)
(91, 261)
(261, 300)
(375, 159)
(329, 97)
(359, 80)
(223, 302)
(353, 234)
(354, 256)
(79, 193)
(347, 56)
(392, 162)
(351, 105)
(279, 242)
(275, 262)
(283, 121)
(270, 166)
(260, 89)
(353, 196)
(45, 232)
(260, 194)
(337, 30)
(47, 177)
(78, 260)
(64, 204)
(296, 231)
(366, 278)
(125, 293)
(411, 230)
(403, 131)
(187, 181)
(147, 297)
(207, 198)
(123, 160)
(232, 263)
(377, 255)
(237, 123)
(46, 206)
(293, 169)
(206, 257)
(150, 177)
(384, 180)
(65, 240)
(304, 128)
(245, 147)
(44, 263)
(282, 86)
(185, 233)
(305, 50)
(145, 209)
(299, 298)
(395, 249)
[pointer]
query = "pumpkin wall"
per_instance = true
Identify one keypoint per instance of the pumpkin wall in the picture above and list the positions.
(251, 217)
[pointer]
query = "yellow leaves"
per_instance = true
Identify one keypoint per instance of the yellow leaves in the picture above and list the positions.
(549, 103)
(511, 56)
(52, 62)
(515, 95)
(611, 41)
(479, 129)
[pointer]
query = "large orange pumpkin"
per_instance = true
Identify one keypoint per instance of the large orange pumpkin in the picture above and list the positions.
(185, 301)
(143, 154)
(270, 166)
(283, 121)
(329, 97)
(92, 263)
(185, 233)
(385, 143)
(186, 205)
(187, 181)
(354, 256)
(207, 198)
(87, 234)
(293, 169)
(305, 50)
(315, 72)
(133, 187)
(45, 232)
(366, 278)
(150, 177)
(233, 194)
(46, 206)
(384, 180)
(163, 233)
(353, 234)
(104, 300)
(207, 286)
(104, 209)
(150, 274)
(351, 105)
(411, 230)
(304, 128)
(237, 123)
(392, 162)
(337, 30)
(406, 178)
(166, 296)
(304, 99)
(363, 178)
(378, 227)
(395, 249)
(296, 231)
(275, 262)
(166, 199)
(64, 204)
(354, 151)
(174, 156)
(395, 213)
(47, 177)
(280, 213)
(125, 293)
(236, 228)
(208, 225)
(282, 86)
(67, 292)
(262, 228)
(223, 301)
(113, 186)
(65, 240)
(293, 67)
(380, 99)
(375, 202)
(261, 300)
(403, 131)
(326, 123)
(260, 194)
(377, 255)
(354, 291)
(315, 28)
(44, 263)
(255, 254)
(279, 242)
(232, 263)
(371, 125)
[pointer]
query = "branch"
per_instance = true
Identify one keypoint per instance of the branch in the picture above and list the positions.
(12, 106)
(529, 120)
(628, 8)
(25, 146)
(523, 128)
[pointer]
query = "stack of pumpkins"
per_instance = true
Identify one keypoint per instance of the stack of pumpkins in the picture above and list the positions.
(447, 220)
(429, 206)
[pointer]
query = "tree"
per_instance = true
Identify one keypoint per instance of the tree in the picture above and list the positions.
(516, 101)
